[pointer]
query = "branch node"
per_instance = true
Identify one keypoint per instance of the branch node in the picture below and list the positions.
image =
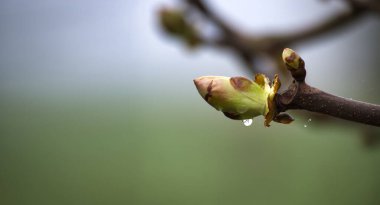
(300, 95)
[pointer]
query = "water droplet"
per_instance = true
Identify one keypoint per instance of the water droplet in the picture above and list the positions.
(309, 120)
(247, 122)
(304, 125)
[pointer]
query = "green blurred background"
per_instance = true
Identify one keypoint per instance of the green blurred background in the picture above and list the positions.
(98, 107)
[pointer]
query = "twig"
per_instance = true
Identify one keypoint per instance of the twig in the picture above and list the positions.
(333, 23)
(247, 47)
(231, 38)
(207, 12)
(300, 95)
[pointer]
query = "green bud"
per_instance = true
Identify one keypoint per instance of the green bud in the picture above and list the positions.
(172, 20)
(292, 59)
(174, 23)
(237, 97)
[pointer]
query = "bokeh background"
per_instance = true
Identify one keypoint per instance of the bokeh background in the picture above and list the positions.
(98, 106)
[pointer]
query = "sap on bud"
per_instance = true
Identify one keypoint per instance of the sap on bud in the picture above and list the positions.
(237, 97)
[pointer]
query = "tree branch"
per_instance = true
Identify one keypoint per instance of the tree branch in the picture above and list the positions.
(248, 46)
(230, 37)
(211, 15)
(302, 96)
(331, 24)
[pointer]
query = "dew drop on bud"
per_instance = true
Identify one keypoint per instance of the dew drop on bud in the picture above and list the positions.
(309, 120)
(247, 122)
(304, 125)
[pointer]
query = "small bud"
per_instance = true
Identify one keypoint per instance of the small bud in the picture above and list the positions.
(292, 59)
(172, 20)
(294, 64)
(175, 23)
(237, 97)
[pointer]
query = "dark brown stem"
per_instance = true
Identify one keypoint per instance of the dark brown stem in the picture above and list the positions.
(247, 47)
(369, 5)
(207, 12)
(333, 23)
(302, 96)
(231, 38)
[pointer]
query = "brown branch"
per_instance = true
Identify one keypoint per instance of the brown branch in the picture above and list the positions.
(302, 96)
(312, 99)
(207, 12)
(327, 26)
(247, 47)
(369, 5)
(230, 38)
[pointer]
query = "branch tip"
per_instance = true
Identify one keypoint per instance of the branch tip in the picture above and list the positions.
(295, 64)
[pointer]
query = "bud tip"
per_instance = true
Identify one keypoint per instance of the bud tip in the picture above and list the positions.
(292, 59)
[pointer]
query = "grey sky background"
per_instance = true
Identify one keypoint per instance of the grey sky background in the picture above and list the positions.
(76, 46)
